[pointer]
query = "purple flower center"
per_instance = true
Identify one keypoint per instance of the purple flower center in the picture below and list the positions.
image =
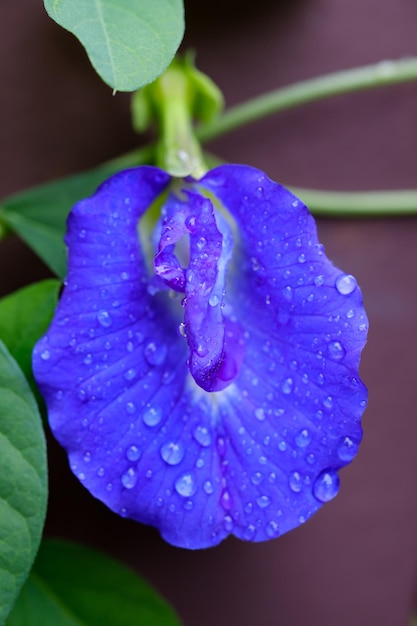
(215, 339)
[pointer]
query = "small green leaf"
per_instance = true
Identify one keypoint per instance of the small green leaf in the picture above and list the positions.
(23, 481)
(39, 215)
(24, 318)
(71, 585)
(129, 42)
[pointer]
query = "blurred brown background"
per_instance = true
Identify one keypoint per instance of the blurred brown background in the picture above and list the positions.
(355, 562)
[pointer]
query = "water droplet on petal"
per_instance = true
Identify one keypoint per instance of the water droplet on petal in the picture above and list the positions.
(133, 453)
(214, 300)
(172, 453)
(256, 478)
(130, 408)
(346, 284)
(287, 386)
(152, 416)
(260, 414)
(328, 402)
(202, 436)
(186, 485)
(347, 448)
(303, 438)
(129, 478)
(155, 353)
(336, 350)
(326, 486)
(263, 502)
(208, 487)
(228, 523)
(249, 532)
(295, 482)
(272, 529)
(226, 500)
(130, 374)
(104, 318)
(45, 355)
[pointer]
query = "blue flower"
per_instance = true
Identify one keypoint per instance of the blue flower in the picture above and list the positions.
(215, 389)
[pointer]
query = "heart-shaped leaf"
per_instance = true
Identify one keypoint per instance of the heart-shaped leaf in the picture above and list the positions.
(23, 481)
(71, 585)
(129, 42)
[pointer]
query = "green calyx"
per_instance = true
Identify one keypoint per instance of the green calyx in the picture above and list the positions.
(177, 100)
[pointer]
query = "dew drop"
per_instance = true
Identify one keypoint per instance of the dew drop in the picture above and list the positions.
(208, 487)
(130, 374)
(185, 485)
(202, 436)
(100, 472)
(295, 482)
(226, 500)
(104, 318)
(272, 529)
(45, 355)
(130, 408)
(228, 523)
(287, 386)
(133, 453)
(129, 478)
(302, 258)
(326, 486)
(152, 416)
(214, 300)
(347, 448)
(346, 284)
(190, 223)
(319, 280)
(182, 330)
(336, 350)
(249, 532)
(263, 502)
(155, 353)
(221, 446)
(303, 438)
(260, 414)
(172, 453)
(256, 478)
(87, 457)
(88, 359)
(328, 402)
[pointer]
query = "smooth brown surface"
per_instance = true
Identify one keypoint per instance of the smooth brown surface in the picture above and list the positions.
(355, 562)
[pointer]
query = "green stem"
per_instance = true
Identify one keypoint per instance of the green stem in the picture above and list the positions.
(358, 203)
(368, 77)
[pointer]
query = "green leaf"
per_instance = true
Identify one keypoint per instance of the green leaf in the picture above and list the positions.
(39, 215)
(23, 481)
(129, 42)
(71, 585)
(24, 318)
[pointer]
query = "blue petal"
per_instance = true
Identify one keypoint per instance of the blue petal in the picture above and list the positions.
(292, 417)
(255, 458)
